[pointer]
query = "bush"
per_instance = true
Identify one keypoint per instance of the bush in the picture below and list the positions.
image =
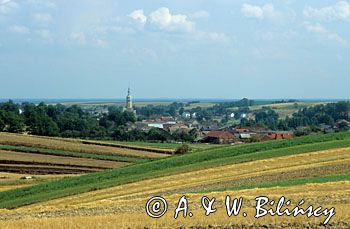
(184, 148)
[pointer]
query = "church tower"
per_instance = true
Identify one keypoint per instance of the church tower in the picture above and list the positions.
(129, 101)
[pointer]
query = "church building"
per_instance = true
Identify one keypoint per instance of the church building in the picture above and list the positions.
(129, 105)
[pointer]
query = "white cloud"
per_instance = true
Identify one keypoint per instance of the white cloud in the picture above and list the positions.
(321, 31)
(45, 35)
(6, 6)
(164, 20)
(199, 15)
(19, 29)
(315, 28)
(122, 30)
(114, 29)
(338, 11)
(42, 3)
(44, 18)
(78, 37)
(252, 11)
(283, 36)
(100, 43)
(218, 37)
(260, 12)
(138, 16)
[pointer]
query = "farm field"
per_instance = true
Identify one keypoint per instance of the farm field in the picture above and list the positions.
(47, 159)
(171, 146)
(73, 145)
(16, 180)
(173, 165)
(111, 103)
(287, 109)
(308, 165)
(130, 213)
(315, 168)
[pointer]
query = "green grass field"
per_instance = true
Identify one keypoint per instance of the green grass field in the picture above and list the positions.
(171, 165)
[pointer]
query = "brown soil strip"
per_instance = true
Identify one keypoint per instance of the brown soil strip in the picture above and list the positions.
(18, 155)
(42, 170)
(51, 154)
(153, 150)
(13, 162)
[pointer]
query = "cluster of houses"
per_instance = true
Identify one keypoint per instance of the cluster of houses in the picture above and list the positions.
(234, 135)
(212, 134)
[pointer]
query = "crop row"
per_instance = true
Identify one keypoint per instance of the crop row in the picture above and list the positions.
(320, 163)
(72, 146)
(72, 154)
(162, 167)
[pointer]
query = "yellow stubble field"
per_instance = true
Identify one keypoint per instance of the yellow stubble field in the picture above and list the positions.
(124, 206)
(131, 213)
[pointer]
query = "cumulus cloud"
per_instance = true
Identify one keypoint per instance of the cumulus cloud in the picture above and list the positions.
(43, 18)
(41, 3)
(163, 19)
(255, 11)
(7, 6)
(100, 43)
(321, 31)
(338, 11)
(218, 37)
(78, 37)
(199, 15)
(45, 35)
(20, 29)
(138, 16)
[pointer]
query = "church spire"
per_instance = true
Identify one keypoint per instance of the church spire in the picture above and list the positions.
(129, 100)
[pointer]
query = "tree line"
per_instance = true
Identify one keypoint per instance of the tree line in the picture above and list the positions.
(331, 114)
(74, 122)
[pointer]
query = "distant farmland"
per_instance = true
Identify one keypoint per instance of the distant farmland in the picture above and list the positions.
(32, 156)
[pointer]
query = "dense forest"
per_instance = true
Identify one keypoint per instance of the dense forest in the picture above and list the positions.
(73, 121)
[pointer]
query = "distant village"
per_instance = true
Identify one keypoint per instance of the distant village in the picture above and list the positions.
(228, 122)
(209, 132)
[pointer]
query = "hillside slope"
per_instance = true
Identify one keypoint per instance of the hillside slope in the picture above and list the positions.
(173, 165)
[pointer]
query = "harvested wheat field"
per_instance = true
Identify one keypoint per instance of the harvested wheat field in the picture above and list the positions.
(131, 213)
(326, 162)
(8, 157)
(16, 180)
(35, 164)
(314, 169)
(73, 145)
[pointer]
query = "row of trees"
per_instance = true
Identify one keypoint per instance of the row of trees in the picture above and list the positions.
(329, 114)
(59, 120)
(72, 121)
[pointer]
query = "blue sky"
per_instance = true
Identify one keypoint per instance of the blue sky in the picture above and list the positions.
(174, 49)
